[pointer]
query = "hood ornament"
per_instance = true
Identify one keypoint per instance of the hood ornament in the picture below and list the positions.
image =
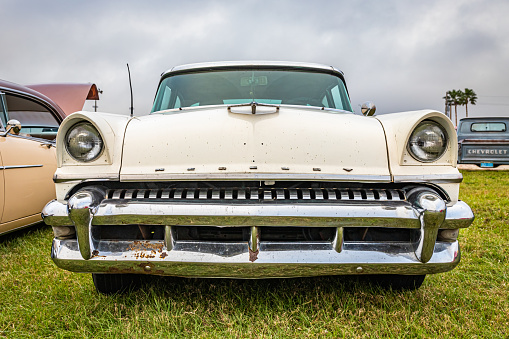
(253, 108)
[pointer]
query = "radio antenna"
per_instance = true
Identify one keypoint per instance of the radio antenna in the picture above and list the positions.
(131, 87)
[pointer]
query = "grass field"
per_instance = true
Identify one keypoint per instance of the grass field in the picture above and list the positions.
(39, 300)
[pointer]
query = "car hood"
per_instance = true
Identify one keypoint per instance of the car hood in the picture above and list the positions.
(293, 143)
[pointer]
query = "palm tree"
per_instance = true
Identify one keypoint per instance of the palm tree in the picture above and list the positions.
(455, 97)
(448, 104)
(469, 97)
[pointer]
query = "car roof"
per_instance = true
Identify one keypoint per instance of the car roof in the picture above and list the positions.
(23, 90)
(70, 97)
(255, 64)
(485, 118)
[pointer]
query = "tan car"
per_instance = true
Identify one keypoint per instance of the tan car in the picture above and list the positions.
(29, 122)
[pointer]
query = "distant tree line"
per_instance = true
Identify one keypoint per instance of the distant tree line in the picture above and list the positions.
(458, 97)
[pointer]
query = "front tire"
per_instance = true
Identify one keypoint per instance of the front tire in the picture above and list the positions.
(399, 282)
(115, 283)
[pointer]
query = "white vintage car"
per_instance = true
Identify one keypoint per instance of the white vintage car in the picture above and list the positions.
(256, 170)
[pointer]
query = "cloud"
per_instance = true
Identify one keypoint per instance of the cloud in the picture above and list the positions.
(402, 55)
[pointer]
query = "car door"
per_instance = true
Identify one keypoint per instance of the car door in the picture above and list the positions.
(27, 169)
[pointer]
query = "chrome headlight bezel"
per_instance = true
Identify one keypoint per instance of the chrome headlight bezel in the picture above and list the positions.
(90, 134)
(425, 132)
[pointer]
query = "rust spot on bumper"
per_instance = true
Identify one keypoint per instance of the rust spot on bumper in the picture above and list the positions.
(143, 255)
(253, 255)
(146, 246)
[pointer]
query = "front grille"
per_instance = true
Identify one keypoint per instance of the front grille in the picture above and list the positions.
(213, 234)
(259, 194)
(242, 234)
(271, 234)
(204, 233)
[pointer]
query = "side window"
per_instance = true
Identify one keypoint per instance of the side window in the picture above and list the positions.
(36, 120)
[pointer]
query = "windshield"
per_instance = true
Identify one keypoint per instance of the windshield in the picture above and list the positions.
(245, 86)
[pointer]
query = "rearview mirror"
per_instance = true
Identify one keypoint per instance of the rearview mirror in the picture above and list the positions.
(13, 126)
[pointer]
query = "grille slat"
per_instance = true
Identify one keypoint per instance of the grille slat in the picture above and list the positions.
(265, 194)
(280, 194)
(370, 195)
(178, 193)
(140, 194)
(153, 194)
(254, 194)
(165, 194)
(241, 194)
(357, 195)
(190, 193)
(395, 195)
(129, 194)
(344, 195)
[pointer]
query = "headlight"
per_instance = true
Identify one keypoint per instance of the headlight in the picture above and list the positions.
(428, 141)
(83, 142)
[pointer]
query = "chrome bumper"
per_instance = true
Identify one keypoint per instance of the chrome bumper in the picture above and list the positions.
(256, 259)
(274, 260)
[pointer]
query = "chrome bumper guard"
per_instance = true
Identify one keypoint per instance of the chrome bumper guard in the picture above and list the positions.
(423, 210)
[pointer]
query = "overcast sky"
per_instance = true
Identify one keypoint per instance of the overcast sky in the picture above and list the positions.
(402, 55)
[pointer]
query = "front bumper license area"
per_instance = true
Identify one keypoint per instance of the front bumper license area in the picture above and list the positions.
(272, 260)
(423, 211)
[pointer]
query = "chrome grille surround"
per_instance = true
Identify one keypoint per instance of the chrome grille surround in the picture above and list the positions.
(262, 194)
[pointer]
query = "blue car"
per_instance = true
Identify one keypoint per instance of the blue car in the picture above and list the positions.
(483, 141)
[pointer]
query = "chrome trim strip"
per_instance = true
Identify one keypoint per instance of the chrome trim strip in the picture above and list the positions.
(43, 142)
(208, 107)
(234, 215)
(383, 213)
(19, 166)
(3, 110)
(254, 176)
(433, 178)
(58, 178)
(20, 227)
(191, 259)
(254, 64)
